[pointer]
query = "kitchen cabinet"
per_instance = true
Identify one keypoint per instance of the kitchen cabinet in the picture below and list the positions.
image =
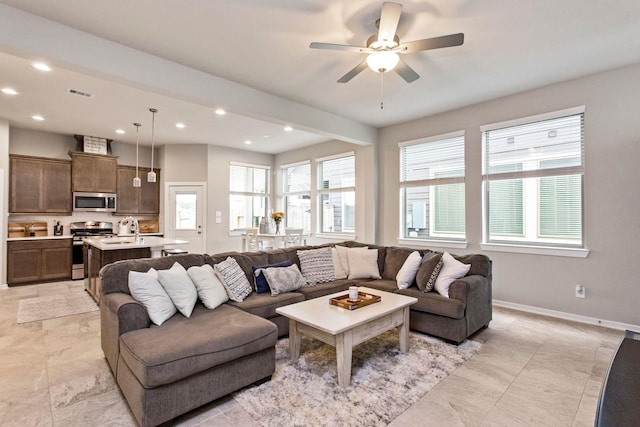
(39, 260)
(93, 173)
(39, 185)
(137, 200)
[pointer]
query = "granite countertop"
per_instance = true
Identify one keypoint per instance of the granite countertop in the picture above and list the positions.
(15, 239)
(129, 242)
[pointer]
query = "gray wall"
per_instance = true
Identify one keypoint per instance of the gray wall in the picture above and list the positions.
(611, 199)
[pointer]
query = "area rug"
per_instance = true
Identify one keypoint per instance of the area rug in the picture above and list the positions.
(52, 306)
(384, 382)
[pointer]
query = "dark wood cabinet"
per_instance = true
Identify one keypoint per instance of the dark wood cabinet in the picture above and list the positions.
(137, 200)
(94, 173)
(39, 185)
(95, 259)
(40, 260)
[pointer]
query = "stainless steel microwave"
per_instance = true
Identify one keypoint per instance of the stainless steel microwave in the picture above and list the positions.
(94, 202)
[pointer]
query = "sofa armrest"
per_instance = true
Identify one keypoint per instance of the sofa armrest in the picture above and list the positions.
(475, 292)
(119, 314)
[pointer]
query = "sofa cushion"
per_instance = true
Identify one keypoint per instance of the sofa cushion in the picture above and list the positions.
(434, 303)
(480, 264)
(394, 260)
(208, 338)
(429, 271)
(286, 254)
(322, 289)
(264, 305)
(381, 284)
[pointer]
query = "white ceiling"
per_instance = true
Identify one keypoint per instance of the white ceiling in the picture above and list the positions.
(510, 46)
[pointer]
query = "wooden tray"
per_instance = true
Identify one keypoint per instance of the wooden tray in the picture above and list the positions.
(363, 300)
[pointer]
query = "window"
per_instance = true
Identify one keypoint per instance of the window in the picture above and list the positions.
(337, 194)
(432, 188)
(248, 195)
(533, 177)
(297, 195)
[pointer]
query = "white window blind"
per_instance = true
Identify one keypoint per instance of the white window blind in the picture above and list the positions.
(533, 178)
(432, 176)
(336, 194)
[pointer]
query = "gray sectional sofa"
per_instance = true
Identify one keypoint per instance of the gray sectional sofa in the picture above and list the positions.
(165, 371)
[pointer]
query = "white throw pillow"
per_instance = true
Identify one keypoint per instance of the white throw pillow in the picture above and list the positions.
(146, 289)
(232, 277)
(363, 263)
(210, 289)
(179, 287)
(283, 279)
(407, 273)
(452, 269)
(343, 256)
(337, 265)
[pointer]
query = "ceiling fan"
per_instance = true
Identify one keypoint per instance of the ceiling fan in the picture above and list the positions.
(383, 49)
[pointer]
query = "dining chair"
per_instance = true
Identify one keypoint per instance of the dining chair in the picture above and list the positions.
(293, 237)
(252, 243)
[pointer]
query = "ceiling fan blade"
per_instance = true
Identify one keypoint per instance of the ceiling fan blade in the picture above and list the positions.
(432, 43)
(389, 19)
(331, 46)
(354, 72)
(406, 72)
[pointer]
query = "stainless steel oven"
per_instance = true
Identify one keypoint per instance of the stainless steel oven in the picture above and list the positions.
(80, 230)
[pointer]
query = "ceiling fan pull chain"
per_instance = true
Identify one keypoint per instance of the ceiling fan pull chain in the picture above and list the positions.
(382, 91)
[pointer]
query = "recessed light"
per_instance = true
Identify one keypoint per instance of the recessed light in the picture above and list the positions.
(247, 142)
(38, 118)
(220, 112)
(266, 136)
(41, 66)
(288, 128)
(120, 131)
(9, 91)
(180, 125)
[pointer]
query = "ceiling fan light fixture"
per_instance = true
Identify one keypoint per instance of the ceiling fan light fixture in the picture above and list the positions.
(382, 61)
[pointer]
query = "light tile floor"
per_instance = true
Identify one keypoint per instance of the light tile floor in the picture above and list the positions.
(531, 371)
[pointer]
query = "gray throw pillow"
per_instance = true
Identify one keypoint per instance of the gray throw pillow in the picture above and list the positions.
(317, 265)
(428, 271)
(283, 279)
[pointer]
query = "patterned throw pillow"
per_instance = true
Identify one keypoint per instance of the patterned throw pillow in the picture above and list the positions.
(429, 271)
(284, 279)
(317, 265)
(262, 286)
(233, 279)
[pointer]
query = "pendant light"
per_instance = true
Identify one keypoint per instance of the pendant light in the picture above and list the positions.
(136, 180)
(151, 176)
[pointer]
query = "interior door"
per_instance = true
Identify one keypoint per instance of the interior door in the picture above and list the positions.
(186, 213)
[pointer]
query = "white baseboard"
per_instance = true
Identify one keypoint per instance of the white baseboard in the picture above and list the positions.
(567, 316)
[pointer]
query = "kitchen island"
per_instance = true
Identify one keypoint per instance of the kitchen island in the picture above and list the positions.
(100, 251)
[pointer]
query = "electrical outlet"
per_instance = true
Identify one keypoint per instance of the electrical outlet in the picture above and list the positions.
(581, 291)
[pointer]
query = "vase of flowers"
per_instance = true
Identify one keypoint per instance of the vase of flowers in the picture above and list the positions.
(277, 218)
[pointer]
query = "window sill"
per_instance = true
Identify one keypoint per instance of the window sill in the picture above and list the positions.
(426, 243)
(536, 250)
(336, 236)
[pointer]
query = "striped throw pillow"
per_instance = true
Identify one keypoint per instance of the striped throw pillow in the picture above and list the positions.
(317, 265)
(233, 279)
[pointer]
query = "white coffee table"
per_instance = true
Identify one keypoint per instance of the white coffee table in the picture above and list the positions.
(343, 328)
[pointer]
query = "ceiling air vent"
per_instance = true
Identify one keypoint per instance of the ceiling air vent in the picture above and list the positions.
(80, 93)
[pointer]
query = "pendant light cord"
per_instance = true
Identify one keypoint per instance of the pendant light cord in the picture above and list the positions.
(382, 91)
(153, 129)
